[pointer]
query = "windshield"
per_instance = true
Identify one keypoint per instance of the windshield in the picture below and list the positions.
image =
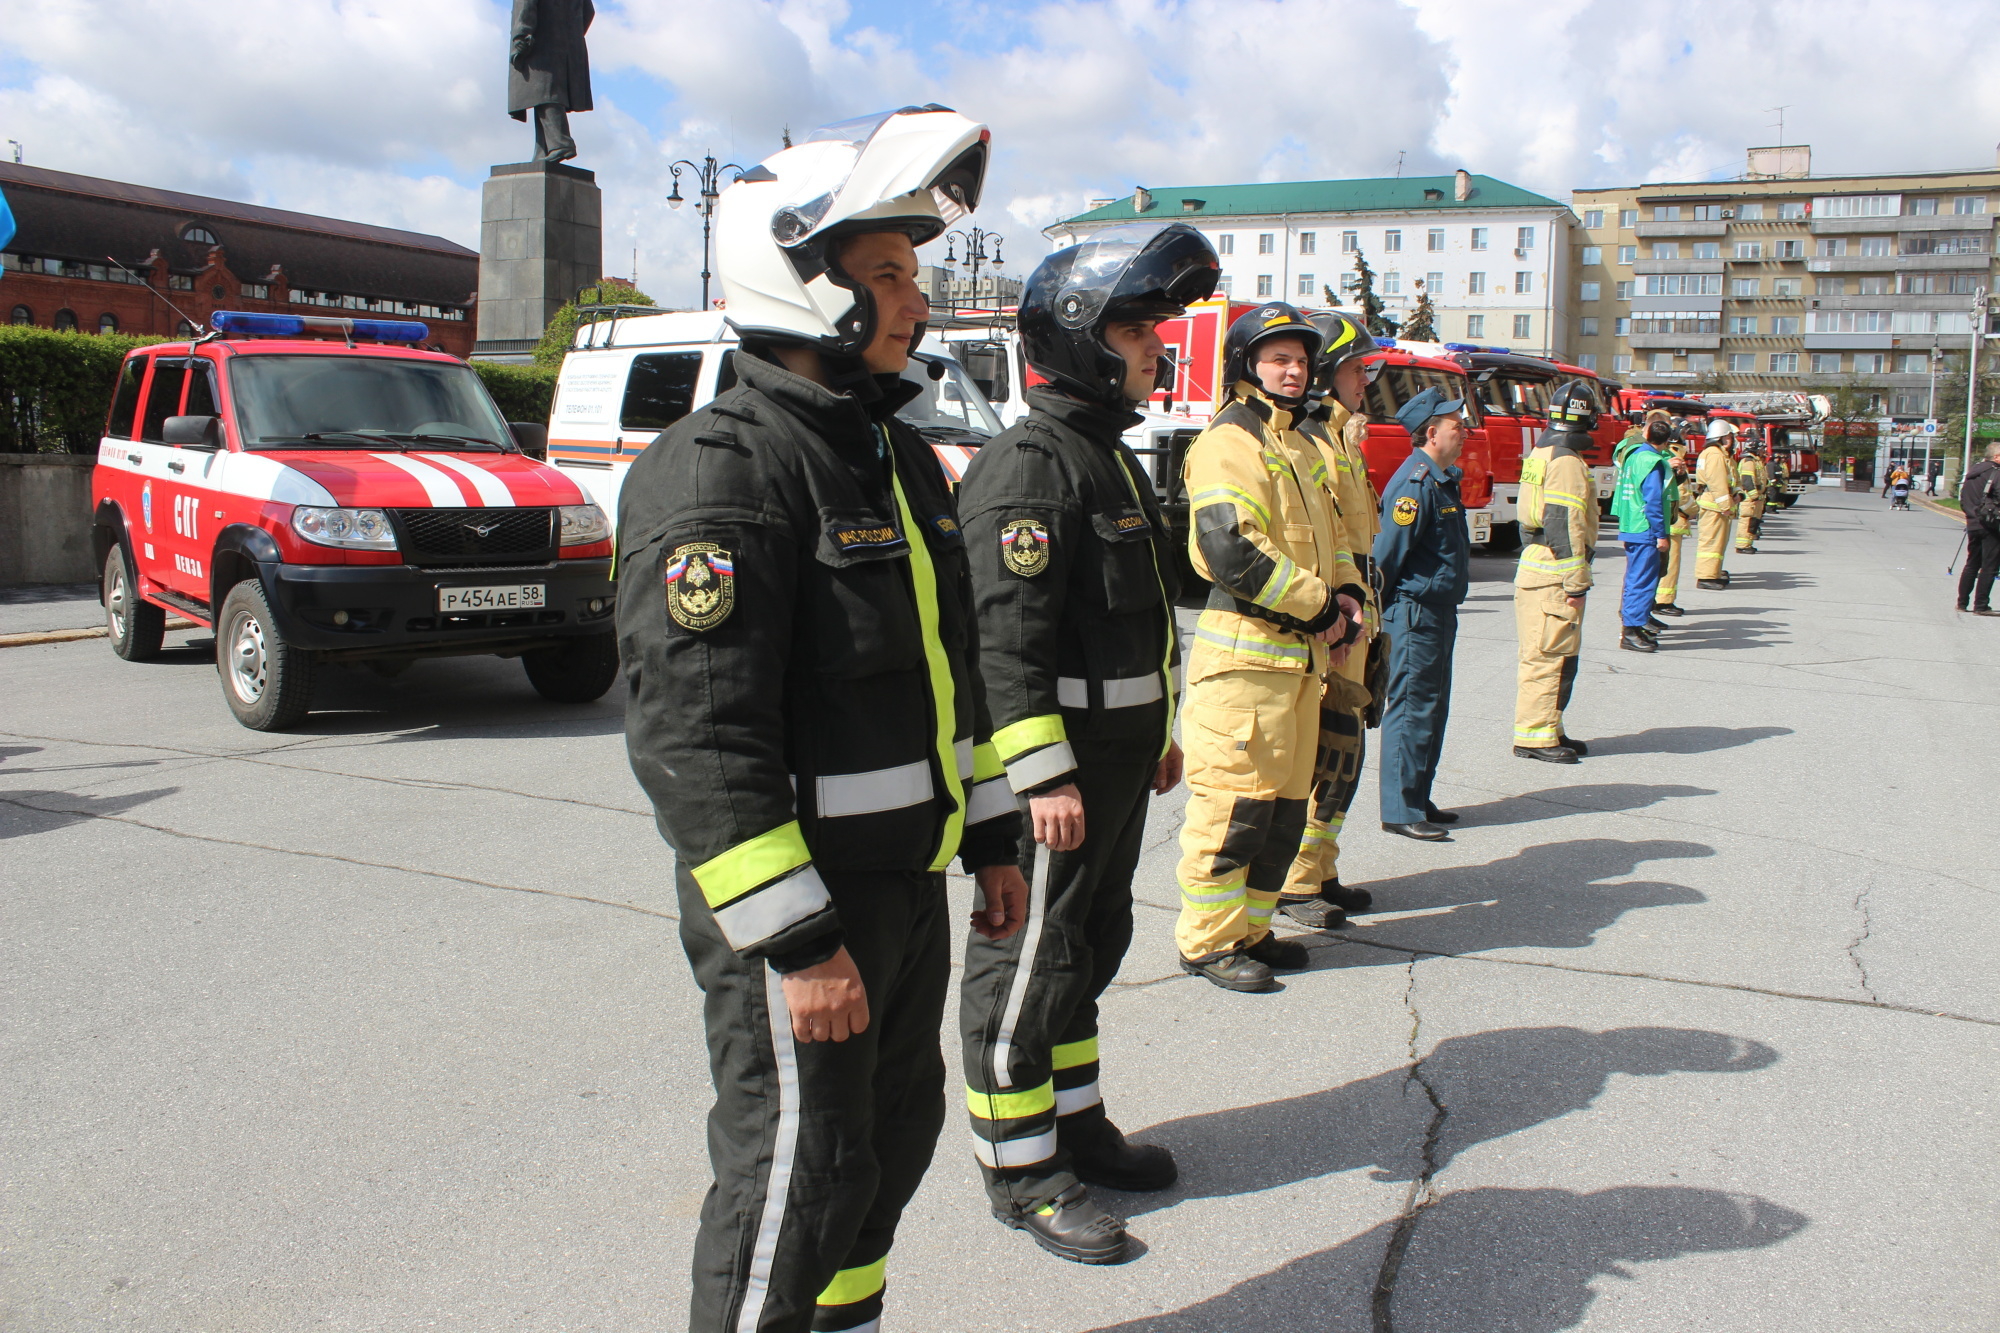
(953, 402)
(1398, 384)
(362, 401)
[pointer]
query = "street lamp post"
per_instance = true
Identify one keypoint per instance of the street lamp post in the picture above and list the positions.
(709, 176)
(974, 241)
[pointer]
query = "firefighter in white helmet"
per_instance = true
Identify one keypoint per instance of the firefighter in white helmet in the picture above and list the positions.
(1715, 500)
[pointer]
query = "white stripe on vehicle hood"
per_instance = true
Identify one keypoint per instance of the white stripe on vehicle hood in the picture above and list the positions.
(493, 492)
(442, 490)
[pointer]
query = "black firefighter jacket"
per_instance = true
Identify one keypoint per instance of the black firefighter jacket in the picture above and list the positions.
(796, 628)
(1075, 581)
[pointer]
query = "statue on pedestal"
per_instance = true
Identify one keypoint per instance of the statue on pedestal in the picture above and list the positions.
(548, 71)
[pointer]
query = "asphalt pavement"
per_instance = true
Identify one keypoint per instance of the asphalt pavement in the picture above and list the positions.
(383, 1023)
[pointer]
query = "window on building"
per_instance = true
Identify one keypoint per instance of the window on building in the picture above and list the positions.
(1908, 404)
(180, 282)
(1945, 243)
(256, 291)
(1524, 238)
(1588, 360)
(1922, 284)
(1823, 363)
(1628, 218)
(1708, 212)
(1666, 250)
(1859, 206)
(1308, 242)
(65, 321)
(1392, 242)
(1742, 363)
(1392, 283)
(1475, 326)
(1433, 282)
(1749, 250)
(1829, 286)
(1524, 326)
(1350, 282)
(1874, 286)
(1479, 238)
(1621, 328)
(1593, 218)
(1592, 255)
(198, 236)
(1684, 284)
(1708, 249)
(1587, 327)
(1475, 284)
(1789, 250)
(1435, 240)
(1225, 244)
(1265, 241)
(1628, 254)
(1226, 285)
(1589, 291)
(1830, 247)
(21, 315)
(107, 323)
(1307, 287)
(1852, 321)
(1742, 326)
(1871, 363)
(1969, 203)
(1916, 363)
(1661, 361)
(1786, 288)
(1749, 212)
(1876, 246)
(1701, 363)
(1666, 213)
(1623, 290)
(1350, 241)
(1791, 212)
(1621, 365)
(1263, 284)
(1524, 281)
(1922, 208)
(1784, 363)
(1784, 326)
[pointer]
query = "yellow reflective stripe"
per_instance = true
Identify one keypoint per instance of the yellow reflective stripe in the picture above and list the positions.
(1283, 575)
(1235, 495)
(1211, 900)
(752, 864)
(1552, 566)
(944, 691)
(1251, 644)
(1011, 1105)
(986, 761)
(1567, 499)
(856, 1284)
(1071, 1054)
(1025, 735)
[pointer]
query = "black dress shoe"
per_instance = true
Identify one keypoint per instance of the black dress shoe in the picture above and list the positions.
(1233, 971)
(1568, 744)
(1667, 609)
(1437, 816)
(1101, 1155)
(1316, 913)
(1636, 640)
(1075, 1228)
(1348, 900)
(1280, 955)
(1548, 754)
(1423, 830)
(1711, 585)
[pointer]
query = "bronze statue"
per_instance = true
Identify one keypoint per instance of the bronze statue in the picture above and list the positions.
(549, 71)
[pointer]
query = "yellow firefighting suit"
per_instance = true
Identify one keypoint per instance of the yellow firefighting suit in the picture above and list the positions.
(1752, 478)
(1343, 731)
(1716, 502)
(1265, 533)
(1558, 497)
(1678, 523)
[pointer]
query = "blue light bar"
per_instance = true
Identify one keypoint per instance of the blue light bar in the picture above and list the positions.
(1385, 342)
(1463, 347)
(258, 324)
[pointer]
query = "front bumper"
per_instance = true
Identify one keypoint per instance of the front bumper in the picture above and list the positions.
(392, 610)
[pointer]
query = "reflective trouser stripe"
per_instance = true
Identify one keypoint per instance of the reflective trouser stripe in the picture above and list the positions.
(1024, 970)
(841, 794)
(1010, 1105)
(856, 1284)
(1125, 692)
(784, 1149)
(1071, 1100)
(1071, 1054)
(1014, 1152)
(944, 688)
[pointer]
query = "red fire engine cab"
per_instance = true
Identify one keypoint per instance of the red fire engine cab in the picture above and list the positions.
(1404, 375)
(336, 500)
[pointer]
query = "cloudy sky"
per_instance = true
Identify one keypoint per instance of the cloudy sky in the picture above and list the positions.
(388, 111)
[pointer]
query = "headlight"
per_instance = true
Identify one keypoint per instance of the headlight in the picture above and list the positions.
(356, 529)
(584, 524)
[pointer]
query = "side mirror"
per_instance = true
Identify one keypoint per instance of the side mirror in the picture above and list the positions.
(531, 437)
(193, 432)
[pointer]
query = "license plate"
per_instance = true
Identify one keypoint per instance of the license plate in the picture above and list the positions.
(1482, 527)
(500, 597)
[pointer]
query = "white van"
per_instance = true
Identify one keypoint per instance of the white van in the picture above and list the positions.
(633, 372)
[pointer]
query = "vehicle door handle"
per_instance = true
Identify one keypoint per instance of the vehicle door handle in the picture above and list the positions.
(177, 467)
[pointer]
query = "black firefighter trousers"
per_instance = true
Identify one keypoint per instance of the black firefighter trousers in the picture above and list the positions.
(1028, 1005)
(817, 1146)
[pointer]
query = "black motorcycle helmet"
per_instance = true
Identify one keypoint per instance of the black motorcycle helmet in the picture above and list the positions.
(1342, 338)
(1573, 407)
(1138, 272)
(1274, 319)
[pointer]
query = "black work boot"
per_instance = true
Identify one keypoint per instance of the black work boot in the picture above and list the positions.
(1548, 754)
(1636, 640)
(1712, 585)
(1568, 744)
(1346, 899)
(1075, 1228)
(1285, 955)
(1655, 624)
(1316, 912)
(1101, 1155)
(1667, 609)
(1233, 971)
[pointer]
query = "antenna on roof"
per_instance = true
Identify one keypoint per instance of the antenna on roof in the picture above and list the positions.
(1399, 162)
(17, 151)
(195, 324)
(1781, 120)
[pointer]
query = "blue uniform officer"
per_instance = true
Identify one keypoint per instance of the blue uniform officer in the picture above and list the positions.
(1424, 557)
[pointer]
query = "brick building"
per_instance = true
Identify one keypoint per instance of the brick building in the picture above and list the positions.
(203, 255)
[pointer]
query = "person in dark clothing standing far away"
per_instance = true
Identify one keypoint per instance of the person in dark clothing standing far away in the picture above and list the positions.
(796, 624)
(1073, 574)
(1424, 558)
(1979, 497)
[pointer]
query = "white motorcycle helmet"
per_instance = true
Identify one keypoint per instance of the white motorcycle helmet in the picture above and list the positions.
(1719, 430)
(917, 170)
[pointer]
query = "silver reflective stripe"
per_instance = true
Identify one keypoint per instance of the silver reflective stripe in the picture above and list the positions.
(987, 799)
(1129, 692)
(1024, 969)
(1015, 1152)
(769, 910)
(1033, 770)
(963, 749)
(870, 793)
(784, 1148)
(1071, 1100)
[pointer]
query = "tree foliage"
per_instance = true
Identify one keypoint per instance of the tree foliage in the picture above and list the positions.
(1371, 304)
(1421, 326)
(1332, 296)
(556, 338)
(55, 388)
(522, 393)
(1851, 404)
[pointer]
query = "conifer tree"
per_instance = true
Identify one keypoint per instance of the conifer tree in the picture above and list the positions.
(1421, 326)
(1371, 304)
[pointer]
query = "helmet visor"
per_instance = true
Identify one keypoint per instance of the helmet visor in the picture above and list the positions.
(949, 156)
(1137, 272)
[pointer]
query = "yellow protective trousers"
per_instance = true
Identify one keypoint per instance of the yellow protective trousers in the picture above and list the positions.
(1343, 744)
(1748, 519)
(1712, 540)
(1670, 578)
(1551, 632)
(1249, 737)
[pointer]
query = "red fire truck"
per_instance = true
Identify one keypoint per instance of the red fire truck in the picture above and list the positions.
(332, 499)
(1407, 370)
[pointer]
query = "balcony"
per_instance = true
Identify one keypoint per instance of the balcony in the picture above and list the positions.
(1855, 342)
(1664, 229)
(1673, 342)
(1877, 226)
(1898, 263)
(1902, 301)
(1666, 378)
(1651, 267)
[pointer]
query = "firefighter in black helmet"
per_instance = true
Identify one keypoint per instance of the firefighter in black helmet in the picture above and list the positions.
(1074, 574)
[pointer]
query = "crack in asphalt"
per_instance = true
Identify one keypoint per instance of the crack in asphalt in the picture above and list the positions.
(1867, 928)
(1422, 1193)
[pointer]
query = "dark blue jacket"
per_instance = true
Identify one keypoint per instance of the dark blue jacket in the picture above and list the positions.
(1423, 551)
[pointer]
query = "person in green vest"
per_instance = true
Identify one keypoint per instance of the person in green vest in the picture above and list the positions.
(1641, 506)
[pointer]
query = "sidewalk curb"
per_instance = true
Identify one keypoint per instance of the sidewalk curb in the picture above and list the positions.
(71, 635)
(1937, 508)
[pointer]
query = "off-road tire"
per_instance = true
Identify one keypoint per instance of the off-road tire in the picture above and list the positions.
(267, 682)
(575, 671)
(134, 625)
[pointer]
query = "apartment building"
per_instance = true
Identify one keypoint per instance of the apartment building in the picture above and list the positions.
(1785, 280)
(1495, 258)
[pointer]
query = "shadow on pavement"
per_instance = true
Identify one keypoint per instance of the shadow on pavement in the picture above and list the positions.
(1682, 740)
(1489, 1261)
(1768, 580)
(36, 594)
(1586, 798)
(451, 698)
(20, 820)
(1710, 635)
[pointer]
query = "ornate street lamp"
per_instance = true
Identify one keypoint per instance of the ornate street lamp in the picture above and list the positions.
(709, 176)
(975, 241)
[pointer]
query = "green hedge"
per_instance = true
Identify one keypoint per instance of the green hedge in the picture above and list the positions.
(524, 393)
(55, 388)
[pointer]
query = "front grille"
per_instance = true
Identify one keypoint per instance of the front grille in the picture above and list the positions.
(475, 537)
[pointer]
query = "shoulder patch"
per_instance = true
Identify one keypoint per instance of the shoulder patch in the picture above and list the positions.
(1404, 511)
(701, 585)
(1024, 547)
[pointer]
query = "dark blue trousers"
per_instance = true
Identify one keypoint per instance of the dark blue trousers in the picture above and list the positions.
(1413, 718)
(1644, 563)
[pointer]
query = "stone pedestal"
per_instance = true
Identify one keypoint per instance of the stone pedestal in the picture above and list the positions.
(540, 240)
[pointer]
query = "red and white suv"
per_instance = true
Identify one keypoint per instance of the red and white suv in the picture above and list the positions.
(339, 500)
